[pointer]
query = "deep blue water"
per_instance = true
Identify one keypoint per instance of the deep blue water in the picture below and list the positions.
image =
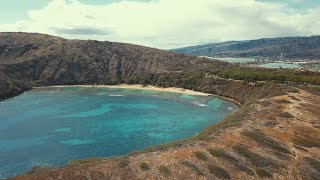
(52, 126)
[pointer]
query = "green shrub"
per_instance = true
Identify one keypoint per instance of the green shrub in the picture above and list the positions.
(201, 155)
(164, 170)
(219, 172)
(263, 173)
(265, 141)
(265, 103)
(192, 166)
(306, 142)
(286, 115)
(313, 163)
(221, 153)
(144, 166)
(256, 159)
(123, 162)
(283, 101)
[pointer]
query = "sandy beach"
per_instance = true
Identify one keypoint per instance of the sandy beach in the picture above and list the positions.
(154, 88)
(142, 87)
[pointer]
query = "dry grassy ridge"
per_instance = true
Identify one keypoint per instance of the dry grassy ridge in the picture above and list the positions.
(275, 138)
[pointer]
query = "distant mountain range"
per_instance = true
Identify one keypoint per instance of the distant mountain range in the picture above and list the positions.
(289, 47)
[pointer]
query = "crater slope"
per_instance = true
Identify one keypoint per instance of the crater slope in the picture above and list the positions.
(275, 134)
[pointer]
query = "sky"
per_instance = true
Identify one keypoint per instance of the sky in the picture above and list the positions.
(163, 24)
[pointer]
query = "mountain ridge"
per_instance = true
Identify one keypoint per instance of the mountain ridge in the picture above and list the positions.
(291, 47)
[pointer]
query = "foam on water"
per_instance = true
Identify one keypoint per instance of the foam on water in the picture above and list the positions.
(216, 102)
(199, 104)
(52, 126)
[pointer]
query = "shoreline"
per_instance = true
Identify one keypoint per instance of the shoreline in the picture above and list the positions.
(153, 88)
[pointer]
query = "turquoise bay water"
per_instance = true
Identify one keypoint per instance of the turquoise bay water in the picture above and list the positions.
(51, 126)
(279, 65)
(237, 60)
(233, 60)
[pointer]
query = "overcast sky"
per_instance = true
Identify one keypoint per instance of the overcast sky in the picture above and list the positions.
(163, 23)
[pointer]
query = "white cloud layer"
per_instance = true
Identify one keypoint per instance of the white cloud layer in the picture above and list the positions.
(170, 23)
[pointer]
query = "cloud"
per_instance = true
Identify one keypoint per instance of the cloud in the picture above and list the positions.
(170, 23)
(81, 31)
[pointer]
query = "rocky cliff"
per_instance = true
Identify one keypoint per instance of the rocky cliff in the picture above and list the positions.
(53, 60)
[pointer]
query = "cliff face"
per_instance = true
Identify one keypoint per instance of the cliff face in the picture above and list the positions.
(10, 88)
(53, 60)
